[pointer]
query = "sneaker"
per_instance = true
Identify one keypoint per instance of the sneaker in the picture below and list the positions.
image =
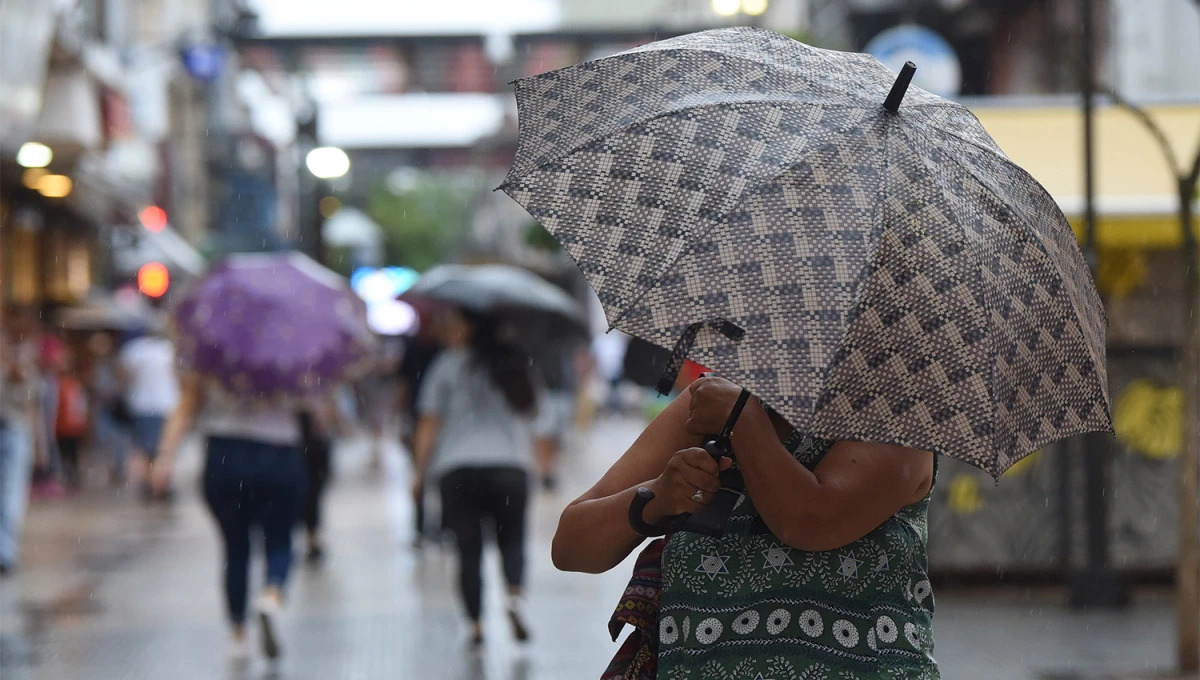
(516, 617)
(269, 612)
(239, 651)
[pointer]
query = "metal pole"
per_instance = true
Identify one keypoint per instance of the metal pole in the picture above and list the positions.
(1096, 584)
(1187, 566)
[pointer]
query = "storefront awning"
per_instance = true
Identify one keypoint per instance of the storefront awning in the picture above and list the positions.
(165, 246)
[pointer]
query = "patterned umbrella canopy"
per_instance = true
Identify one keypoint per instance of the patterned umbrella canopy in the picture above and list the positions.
(871, 274)
(272, 326)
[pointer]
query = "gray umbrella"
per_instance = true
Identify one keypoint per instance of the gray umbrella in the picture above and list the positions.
(872, 273)
(539, 305)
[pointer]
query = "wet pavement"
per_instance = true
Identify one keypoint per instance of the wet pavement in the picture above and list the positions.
(112, 589)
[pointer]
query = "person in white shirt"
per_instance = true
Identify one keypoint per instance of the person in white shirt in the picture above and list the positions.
(148, 369)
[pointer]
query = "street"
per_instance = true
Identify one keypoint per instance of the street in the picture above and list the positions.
(112, 589)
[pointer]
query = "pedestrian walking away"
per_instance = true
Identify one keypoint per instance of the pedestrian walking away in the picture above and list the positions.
(254, 477)
(317, 425)
(475, 439)
(262, 338)
(148, 372)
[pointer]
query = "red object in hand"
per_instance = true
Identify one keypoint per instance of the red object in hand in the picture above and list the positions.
(690, 373)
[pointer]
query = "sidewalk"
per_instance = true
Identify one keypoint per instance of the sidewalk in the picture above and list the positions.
(113, 589)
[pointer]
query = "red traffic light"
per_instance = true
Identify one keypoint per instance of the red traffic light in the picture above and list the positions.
(153, 279)
(153, 218)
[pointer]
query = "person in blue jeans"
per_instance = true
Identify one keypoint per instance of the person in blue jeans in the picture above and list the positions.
(254, 477)
(20, 418)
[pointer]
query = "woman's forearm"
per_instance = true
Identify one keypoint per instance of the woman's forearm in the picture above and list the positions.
(594, 535)
(423, 441)
(788, 496)
(178, 424)
(181, 420)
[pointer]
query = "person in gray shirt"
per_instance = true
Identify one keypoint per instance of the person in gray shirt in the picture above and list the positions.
(476, 430)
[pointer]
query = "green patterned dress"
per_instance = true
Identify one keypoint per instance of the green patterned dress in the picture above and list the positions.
(747, 607)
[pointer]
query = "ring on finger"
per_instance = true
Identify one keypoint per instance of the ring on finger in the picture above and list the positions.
(698, 496)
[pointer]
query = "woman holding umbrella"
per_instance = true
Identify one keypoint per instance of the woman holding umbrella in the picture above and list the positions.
(261, 339)
(879, 277)
(475, 435)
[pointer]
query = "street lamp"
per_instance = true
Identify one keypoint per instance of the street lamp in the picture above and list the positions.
(34, 155)
(55, 186)
(728, 8)
(327, 162)
(754, 8)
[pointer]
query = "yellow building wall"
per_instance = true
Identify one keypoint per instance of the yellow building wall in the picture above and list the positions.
(1130, 168)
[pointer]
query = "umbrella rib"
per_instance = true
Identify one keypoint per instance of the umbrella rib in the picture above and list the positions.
(988, 310)
(872, 248)
(1097, 368)
(1046, 194)
(692, 244)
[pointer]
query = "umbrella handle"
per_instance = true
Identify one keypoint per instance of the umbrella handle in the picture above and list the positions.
(712, 519)
(640, 526)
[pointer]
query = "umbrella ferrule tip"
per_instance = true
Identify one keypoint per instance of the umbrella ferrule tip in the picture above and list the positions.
(900, 87)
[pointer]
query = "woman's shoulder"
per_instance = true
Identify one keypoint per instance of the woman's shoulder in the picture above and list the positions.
(450, 359)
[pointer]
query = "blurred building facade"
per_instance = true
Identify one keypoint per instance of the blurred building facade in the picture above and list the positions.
(206, 108)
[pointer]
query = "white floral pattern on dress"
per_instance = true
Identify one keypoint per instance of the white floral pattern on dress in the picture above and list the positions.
(850, 565)
(777, 557)
(746, 622)
(845, 633)
(886, 628)
(811, 623)
(765, 575)
(778, 620)
(922, 590)
(668, 631)
(913, 635)
(709, 631)
(713, 566)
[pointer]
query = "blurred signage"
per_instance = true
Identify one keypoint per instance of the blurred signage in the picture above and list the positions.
(379, 288)
(203, 62)
(938, 70)
(378, 285)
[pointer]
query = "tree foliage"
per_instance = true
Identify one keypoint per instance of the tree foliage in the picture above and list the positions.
(423, 223)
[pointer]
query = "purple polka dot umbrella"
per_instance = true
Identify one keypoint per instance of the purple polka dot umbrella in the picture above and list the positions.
(272, 326)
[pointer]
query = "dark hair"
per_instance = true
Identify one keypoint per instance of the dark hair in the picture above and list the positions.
(506, 363)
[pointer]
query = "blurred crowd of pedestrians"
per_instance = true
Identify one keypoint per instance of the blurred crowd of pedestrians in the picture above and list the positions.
(487, 421)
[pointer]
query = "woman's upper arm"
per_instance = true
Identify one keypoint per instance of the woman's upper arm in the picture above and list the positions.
(862, 485)
(438, 384)
(649, 454)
